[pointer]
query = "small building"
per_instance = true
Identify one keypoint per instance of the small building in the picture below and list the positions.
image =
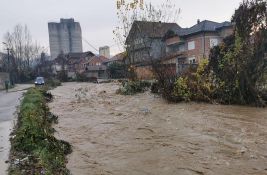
(71, 63)
(94, 67)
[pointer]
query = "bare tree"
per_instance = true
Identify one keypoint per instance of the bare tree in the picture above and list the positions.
(23, 50)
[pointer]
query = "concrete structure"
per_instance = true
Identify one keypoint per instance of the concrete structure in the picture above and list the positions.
(65, 37)
(104, 51)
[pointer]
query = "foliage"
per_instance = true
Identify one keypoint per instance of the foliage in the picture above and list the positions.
(34, 142)
(62, 76)
(81, 77)
(116, 70)
(194, 85)
(165, 79)
(84, 78)
(134, 87)
(52, 82)
(239, 63)
(181, 89)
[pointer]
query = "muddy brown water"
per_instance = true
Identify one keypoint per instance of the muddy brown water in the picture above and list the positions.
(144, 135)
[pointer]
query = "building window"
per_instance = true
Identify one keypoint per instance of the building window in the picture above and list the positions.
(192, 60)
(191, 45)
(182, 48)
(213, 42)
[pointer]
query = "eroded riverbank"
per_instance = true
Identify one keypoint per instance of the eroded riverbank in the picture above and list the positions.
(142, 134)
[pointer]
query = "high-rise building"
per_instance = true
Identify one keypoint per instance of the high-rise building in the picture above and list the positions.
(104, 51)
(65, 37)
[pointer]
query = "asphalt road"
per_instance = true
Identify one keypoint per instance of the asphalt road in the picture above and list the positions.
(8, 103)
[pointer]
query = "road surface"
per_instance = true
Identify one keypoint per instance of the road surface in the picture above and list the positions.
(8, 103)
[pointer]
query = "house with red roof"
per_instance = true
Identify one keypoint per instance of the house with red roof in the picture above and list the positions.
(94, 67)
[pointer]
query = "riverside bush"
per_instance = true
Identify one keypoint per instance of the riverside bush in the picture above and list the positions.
(134, 87)
(181, 90)
(52, 82)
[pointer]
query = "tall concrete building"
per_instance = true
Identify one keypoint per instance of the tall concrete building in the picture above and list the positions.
(65, 37)
(104, 51)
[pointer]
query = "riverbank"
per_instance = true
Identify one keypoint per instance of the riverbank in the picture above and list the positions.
(34, 149)
(142, 134)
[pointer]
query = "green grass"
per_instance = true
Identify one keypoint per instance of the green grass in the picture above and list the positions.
(34, 140)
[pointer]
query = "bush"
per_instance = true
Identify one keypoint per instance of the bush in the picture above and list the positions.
(52, 82)
(81, 78)
(155, 88)
(134, 87)
(194, 85)
(181, 90)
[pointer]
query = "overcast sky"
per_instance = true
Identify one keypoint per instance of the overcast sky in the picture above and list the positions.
(97, 17)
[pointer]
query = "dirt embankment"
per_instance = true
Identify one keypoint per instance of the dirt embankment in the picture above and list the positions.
(143, 135)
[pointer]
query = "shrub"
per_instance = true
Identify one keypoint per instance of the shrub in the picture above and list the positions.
(134, 87)
(155, 88)
(181, 90)
(52, 82)
(193, 85)
(81, 78)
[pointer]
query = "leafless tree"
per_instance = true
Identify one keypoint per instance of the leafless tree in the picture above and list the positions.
(23, 50)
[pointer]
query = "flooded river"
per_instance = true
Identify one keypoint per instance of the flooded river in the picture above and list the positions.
(143, 135)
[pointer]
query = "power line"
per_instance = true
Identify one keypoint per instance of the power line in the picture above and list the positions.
(90, 44)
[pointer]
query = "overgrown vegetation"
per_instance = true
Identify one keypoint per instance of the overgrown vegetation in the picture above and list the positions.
(52, 82)
(116, 70)
(35, 150)
(239, 63)
(133, 87)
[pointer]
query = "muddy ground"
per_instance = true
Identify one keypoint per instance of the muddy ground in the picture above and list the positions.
(144, 135)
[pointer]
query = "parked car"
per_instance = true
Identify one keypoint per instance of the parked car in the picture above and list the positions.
(39, 81)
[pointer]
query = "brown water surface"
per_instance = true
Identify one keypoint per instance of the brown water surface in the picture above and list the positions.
(144, 135)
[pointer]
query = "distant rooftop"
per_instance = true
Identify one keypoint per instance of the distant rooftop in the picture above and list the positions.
(70, 20)
(64, 20)
(204, 26)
